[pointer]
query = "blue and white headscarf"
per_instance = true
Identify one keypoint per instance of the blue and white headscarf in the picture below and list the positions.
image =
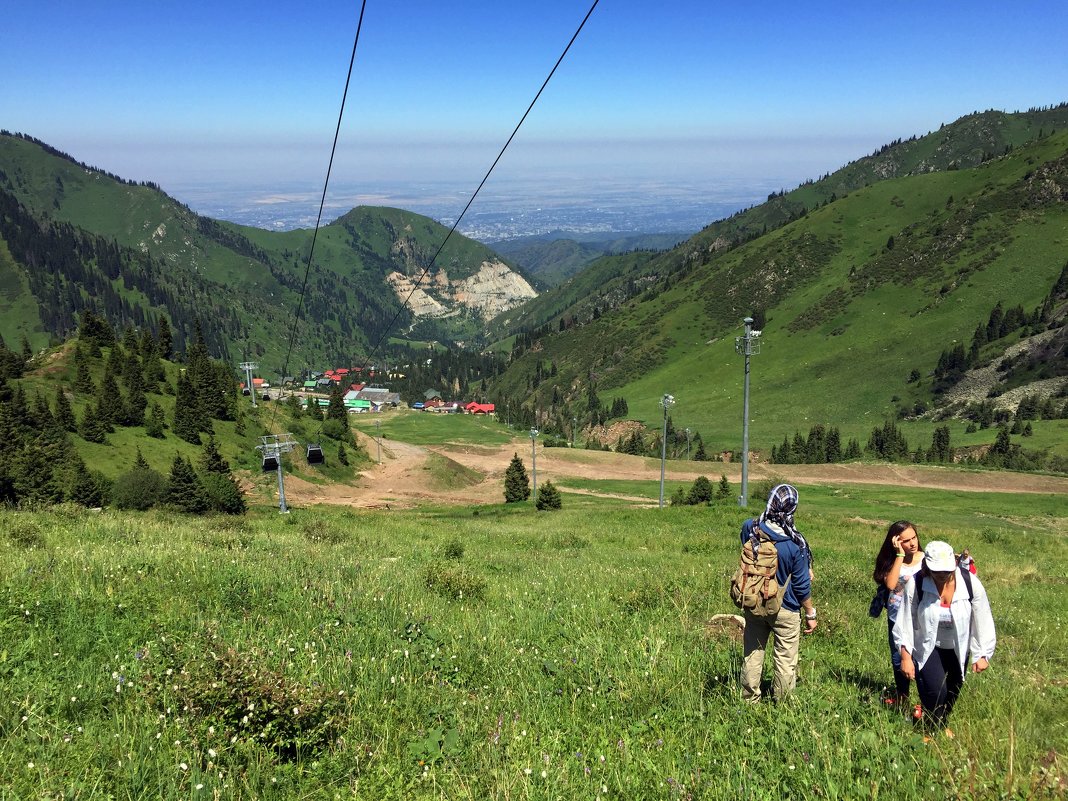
(782, 503)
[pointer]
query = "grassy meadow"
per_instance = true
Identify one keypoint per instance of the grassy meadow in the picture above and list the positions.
(495, 652)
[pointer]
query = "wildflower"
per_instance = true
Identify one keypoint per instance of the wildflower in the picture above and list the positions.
(183, 766)
(527, 771)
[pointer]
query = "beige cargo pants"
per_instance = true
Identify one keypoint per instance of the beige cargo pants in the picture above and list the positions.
(786, 626)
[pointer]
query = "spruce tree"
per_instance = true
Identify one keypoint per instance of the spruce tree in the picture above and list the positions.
(723, 490)
(516, 482)
(184, 490)
(211, 461)
(83, 382)
(155, 422)
(164, 341)
(186, 412)
(64, 412)
(92, 429)
(342, 454)
(548, 497)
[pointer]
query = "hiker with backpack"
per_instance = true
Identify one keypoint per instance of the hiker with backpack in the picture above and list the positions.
(899, 559)
(944, 621)
(772, 586)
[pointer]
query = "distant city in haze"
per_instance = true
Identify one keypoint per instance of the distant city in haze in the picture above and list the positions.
(528, 208)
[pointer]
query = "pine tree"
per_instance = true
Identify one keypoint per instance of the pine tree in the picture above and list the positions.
(83, 382)
(155, 422)
(164, 342)
(342, 454)
(723, 490)
(92, 428)
(699, 454)
(184, 490)
(64, 412)
(186, 412)
(516, 482)
(548, 497)
(211, 461)
(140, 463)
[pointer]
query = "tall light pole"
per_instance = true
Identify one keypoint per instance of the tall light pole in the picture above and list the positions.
(378, 437)
(667, 402)
(574, 426)
(534, 462)
(747, 345)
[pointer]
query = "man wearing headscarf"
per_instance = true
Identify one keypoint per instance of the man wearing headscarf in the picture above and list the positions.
(794, 573)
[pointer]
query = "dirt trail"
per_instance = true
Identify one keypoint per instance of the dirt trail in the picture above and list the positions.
(405, 478)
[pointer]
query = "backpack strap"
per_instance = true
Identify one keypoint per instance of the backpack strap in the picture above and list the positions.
(967, 576)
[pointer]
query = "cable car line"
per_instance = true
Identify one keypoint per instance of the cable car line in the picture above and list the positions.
(452, 230)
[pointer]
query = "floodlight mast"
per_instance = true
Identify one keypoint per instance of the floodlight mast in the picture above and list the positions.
(667, 402)
(747, 345)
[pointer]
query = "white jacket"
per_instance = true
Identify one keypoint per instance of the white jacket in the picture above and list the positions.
(973, 622)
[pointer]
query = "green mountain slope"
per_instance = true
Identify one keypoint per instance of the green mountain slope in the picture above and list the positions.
(966, 143)
(72, 236)
(554, 257)
(853, 296)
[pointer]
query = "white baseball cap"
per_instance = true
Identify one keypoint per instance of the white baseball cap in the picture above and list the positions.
(939, 557)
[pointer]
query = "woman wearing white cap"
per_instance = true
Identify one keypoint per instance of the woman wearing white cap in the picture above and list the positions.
(944, 621)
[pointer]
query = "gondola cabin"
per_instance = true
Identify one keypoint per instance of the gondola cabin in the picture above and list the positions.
(270, 462)
(315, 453)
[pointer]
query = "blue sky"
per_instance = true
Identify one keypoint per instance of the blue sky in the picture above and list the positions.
(235, 93)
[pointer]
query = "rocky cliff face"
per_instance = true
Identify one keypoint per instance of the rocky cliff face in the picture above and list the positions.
(495, 288)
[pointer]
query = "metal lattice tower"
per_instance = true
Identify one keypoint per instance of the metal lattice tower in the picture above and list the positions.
(746, 345)
(248, 367)
(274, 445)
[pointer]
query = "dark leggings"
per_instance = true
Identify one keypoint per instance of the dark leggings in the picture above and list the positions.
(939, 682)
(901, 681)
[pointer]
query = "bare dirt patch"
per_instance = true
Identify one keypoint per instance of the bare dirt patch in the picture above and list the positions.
(404, 479)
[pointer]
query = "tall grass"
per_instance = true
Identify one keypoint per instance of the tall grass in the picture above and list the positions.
(316, 655)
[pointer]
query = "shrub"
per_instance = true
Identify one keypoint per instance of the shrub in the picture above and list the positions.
(454, 582)
(454, 550)
(548, 497)
(700, 492)
(223, 493)
(138, 490)
(26, 534)
(235, 696)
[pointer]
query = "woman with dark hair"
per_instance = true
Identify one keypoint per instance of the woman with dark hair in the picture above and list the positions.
(900, 558)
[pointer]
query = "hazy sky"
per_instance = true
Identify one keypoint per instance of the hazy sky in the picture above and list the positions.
(234, 93)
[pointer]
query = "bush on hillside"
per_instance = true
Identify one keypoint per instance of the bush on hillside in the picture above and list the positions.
(548, 497)
(223, 493)
(138, 490)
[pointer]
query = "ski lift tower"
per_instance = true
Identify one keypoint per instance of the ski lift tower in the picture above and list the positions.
(746, 345)
(274, 445)
(248, 367)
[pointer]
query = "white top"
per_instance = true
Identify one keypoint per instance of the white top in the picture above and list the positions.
(972, 623)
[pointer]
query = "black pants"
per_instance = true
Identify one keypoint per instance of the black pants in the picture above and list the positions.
(939, 682)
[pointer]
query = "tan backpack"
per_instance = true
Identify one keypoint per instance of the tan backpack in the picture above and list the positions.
(754, 587)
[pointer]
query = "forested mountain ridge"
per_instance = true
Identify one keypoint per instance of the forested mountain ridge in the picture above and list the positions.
(74, 237)
(858, 298)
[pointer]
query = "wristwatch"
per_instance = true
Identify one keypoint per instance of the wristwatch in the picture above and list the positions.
(812, 616)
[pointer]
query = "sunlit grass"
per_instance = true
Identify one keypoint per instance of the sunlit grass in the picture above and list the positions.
(488, 652)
